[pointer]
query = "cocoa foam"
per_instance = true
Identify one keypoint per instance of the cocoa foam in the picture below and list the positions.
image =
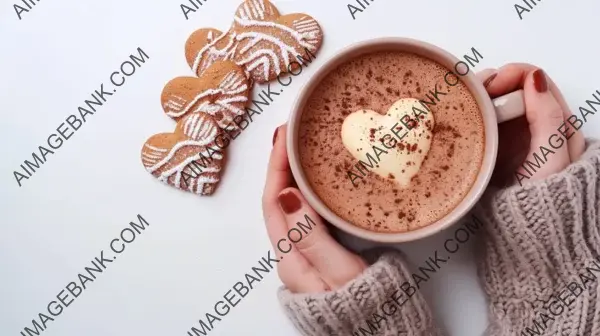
(374, 82)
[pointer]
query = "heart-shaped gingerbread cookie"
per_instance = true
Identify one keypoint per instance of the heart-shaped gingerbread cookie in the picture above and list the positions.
(260, 40)
(221, 91)
(397, 142)
(189, 158)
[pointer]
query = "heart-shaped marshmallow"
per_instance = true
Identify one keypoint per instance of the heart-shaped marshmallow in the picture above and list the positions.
(395, 144)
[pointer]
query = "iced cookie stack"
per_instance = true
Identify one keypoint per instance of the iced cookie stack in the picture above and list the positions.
(260, 45)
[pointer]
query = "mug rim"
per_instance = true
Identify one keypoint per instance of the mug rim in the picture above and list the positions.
(422, 49)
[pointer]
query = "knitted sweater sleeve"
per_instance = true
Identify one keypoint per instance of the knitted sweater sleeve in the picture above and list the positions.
(375, 303)
(540, 256)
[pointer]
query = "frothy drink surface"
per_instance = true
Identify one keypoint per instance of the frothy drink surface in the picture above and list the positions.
(375, 81)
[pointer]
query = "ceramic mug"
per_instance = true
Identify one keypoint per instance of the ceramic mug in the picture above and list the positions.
(494, 111)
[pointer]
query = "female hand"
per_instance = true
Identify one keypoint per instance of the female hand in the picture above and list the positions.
(311, 260)
(519, 151)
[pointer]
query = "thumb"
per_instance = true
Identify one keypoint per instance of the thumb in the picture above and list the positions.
(308, 234)
(547, 152)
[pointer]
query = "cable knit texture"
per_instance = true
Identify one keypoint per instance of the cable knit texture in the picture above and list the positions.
(539, 264)
(369, 302)
(541, 253)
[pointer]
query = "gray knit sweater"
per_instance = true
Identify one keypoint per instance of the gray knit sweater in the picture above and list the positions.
(539, 266)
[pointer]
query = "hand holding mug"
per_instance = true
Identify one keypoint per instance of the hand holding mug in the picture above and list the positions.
(315, 262)
(520, 139)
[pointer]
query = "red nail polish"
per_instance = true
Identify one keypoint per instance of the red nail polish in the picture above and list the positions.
(488, 81)
(539, 81)
(275, 135)
(289, 202)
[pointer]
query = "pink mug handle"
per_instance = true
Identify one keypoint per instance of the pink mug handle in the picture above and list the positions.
(509, 106)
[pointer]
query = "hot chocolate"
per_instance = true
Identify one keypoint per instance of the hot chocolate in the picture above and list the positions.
(382, 82)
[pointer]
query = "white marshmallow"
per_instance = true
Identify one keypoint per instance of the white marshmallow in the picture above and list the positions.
(399, 165)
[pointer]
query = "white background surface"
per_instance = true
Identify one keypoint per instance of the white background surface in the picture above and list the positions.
(197, 248)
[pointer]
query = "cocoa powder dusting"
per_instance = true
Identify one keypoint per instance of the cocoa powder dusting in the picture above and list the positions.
(374, 82)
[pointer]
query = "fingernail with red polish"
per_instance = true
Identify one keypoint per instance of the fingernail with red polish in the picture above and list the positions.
(275, 135)
(289, 202)
(539, 81)
(488, 81)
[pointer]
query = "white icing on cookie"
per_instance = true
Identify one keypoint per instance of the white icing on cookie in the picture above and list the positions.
(172, 112)
(150, 159)
(177, 170)
(198, 126)
(309, 29)
(257, 10)
(196, 185)
(214, 54)
(155, 148)
(231, 90)
(188, 163)
(257, 51)
(174, 150)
